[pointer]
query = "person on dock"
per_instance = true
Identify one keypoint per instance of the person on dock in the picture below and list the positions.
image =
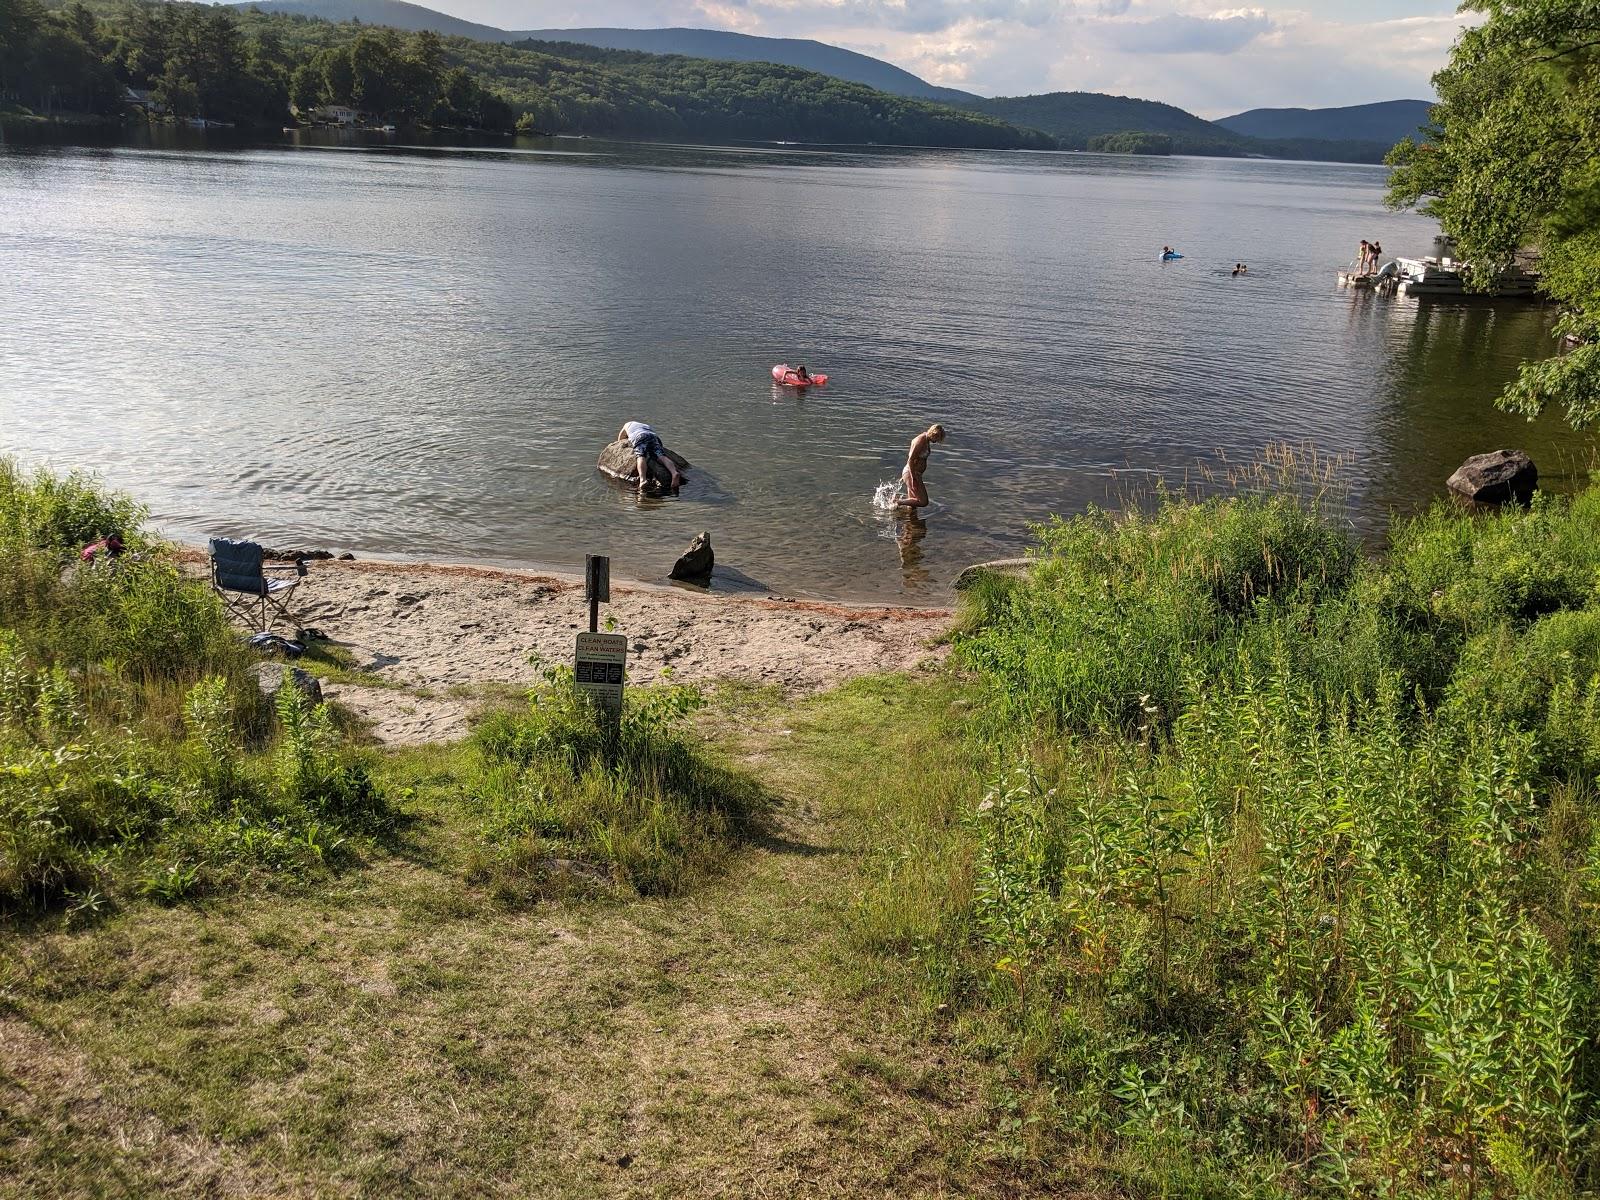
(1377, 254)
(916, 464)
(646, 445)
(1362, 256)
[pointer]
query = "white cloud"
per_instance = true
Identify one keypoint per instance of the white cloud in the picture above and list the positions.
(1180, 33)
(1205, 57)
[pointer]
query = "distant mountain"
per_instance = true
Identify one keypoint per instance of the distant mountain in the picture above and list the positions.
(743, 47)
(396, 13)
(692, 43)
(1388, 122)
(1359, 134)
(1076, 117)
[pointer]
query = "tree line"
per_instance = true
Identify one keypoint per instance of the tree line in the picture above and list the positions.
(200, 61)
(248, 67)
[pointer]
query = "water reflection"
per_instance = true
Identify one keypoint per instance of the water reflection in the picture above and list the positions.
(909, 538)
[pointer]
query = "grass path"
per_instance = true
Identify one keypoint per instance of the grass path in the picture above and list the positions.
(394, 1033)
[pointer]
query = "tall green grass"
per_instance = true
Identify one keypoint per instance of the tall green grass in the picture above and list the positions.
(1291, 884)
(570, 805)
(137, 757)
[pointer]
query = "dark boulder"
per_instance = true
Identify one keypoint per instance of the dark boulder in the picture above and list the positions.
(1498, 477)
(694, 564)
(617, 461)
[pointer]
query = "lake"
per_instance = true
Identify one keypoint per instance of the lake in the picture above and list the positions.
(419, 351)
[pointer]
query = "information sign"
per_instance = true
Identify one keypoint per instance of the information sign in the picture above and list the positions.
(601, 664)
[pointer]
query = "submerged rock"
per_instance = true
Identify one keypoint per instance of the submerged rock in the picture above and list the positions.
(1496, 478)
(271, 676)
(694, 564)
(617, 461)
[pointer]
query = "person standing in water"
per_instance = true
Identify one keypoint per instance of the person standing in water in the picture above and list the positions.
(916, 463)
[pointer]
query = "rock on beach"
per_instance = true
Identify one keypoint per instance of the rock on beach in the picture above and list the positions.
(271, 677)
(694, 564)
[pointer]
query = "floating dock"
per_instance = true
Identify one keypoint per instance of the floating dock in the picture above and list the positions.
(1441, 274)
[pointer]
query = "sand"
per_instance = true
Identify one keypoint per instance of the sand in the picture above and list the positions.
(436, 640)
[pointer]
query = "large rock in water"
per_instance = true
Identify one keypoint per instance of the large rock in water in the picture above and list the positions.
(694, 564)
(1497, 477)
(617, 461)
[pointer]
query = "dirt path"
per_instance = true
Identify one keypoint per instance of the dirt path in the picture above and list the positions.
(394, 1034)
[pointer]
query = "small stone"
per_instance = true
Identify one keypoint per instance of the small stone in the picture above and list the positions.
(1499, 477)
(694, 564)
(347, 557)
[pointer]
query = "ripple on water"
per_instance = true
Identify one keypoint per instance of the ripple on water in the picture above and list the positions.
(416, 352)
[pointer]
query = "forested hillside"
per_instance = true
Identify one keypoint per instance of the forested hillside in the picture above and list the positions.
(1092, 121)
(1388, 122)
(196, 61)
(805, 53)
(1076, 117)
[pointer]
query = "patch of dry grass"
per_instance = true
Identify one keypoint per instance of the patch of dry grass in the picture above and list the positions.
(396, 1032)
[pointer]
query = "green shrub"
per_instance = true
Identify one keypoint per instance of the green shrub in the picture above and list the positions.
(1512, 565)
(1297, 884)
(128, 718)
(568, 803)
(61, 513)
(1121, 608)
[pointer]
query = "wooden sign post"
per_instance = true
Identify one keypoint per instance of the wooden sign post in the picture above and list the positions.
(596, 586)
(600, 661)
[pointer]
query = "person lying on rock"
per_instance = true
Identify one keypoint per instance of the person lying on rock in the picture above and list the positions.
(646, 445)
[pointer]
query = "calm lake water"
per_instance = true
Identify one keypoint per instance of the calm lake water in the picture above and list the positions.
(417, 351)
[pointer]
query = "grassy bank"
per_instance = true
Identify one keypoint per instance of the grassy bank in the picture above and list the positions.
(1284, 877)
(139, 760)
(1222, 859)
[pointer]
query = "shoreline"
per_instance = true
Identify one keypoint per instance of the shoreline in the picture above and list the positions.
(424, 645)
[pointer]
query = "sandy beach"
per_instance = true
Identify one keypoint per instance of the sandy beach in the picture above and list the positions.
(435, 640)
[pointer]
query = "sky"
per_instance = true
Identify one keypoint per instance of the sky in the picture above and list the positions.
(1211, 60)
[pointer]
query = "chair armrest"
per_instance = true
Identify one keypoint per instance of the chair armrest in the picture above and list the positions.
(298, 567)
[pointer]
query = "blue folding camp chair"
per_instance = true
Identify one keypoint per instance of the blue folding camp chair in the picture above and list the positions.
(256, 590)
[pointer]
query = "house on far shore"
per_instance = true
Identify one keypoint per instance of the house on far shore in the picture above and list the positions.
(140, 98)
(335, 114)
